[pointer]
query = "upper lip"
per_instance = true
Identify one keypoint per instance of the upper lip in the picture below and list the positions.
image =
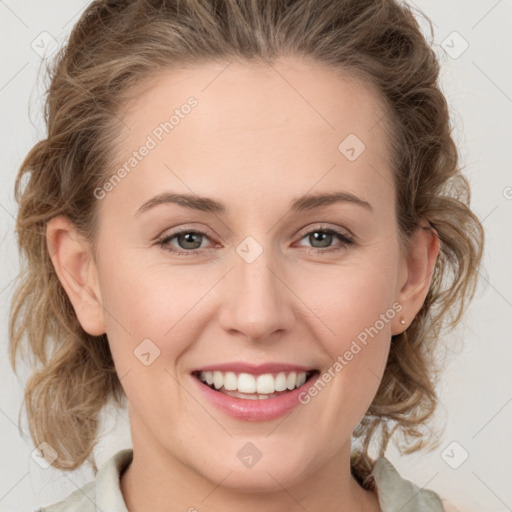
(255, 369)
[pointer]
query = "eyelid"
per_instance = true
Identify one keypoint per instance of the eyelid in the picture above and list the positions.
(326, 227)
(172, 232)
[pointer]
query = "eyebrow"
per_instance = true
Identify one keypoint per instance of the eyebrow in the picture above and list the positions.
(206, 204)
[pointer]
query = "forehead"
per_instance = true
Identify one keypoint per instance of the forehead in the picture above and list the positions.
(255, 124)
(257, 96)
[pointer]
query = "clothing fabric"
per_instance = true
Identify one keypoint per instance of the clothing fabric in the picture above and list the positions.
(104, 492)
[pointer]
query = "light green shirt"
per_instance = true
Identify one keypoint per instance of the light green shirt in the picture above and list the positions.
(104, 492)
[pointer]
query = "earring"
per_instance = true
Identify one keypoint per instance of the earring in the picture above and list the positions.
(402, 321)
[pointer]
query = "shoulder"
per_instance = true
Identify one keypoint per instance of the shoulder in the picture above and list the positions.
(103, 493)
(81, 500)
(394, 491)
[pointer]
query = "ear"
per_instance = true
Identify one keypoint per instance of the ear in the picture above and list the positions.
(74, 264)
(418, 266)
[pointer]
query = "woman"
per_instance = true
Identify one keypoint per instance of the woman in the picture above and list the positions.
(248, 224)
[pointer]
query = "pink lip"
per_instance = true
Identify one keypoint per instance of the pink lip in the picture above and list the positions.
(254, 410)
(254, 369)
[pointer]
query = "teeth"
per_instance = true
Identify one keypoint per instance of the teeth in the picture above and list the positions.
(230, 381)
(291, 380)
(280, 382)
(265, 384)
(218, 380)
(246, 383)
(261, 385)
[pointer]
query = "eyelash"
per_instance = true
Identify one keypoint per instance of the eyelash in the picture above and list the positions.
(346, 241)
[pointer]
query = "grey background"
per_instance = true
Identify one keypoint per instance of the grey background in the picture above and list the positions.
(476, 391)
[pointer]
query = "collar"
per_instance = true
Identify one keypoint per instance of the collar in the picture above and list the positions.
(397, 493)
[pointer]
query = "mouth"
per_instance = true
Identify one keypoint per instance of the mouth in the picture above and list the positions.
(254, 386)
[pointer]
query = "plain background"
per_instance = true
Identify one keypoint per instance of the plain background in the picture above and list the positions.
(476, 391)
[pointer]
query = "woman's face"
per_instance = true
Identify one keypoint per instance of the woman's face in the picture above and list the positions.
(269, 283)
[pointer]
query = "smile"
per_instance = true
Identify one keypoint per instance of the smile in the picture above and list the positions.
(256, 394)
(254, 387)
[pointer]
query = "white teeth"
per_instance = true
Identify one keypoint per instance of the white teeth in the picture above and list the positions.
(246, 383)
(230, 381)
(246, 396)
(260, 386)
(265, 384)
(218, 380)
(281, 381)
(291, 380)
(209, 378)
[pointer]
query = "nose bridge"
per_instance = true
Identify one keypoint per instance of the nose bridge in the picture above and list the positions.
(256, 302)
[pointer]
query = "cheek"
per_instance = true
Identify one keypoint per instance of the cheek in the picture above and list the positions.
(143, 304)
(349, 299)
(356, 307)
(149, 327)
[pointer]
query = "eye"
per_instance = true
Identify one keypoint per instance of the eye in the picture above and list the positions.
(188, 239)
(324, 236)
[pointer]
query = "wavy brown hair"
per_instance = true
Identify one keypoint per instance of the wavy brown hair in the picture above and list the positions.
(114, 50)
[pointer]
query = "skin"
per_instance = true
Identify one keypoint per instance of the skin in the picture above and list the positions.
(256, 142)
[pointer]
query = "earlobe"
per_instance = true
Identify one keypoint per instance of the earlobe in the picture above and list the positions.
(423, 250)
(76, 269)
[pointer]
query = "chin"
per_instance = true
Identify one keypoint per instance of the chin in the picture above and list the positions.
(250, 480)
(268, 474)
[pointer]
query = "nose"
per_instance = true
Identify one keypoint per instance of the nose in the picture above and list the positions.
(256, 301)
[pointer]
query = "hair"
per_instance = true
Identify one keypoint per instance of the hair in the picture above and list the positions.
(113, 51)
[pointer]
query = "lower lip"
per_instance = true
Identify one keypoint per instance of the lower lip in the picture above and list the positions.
(255, 410)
